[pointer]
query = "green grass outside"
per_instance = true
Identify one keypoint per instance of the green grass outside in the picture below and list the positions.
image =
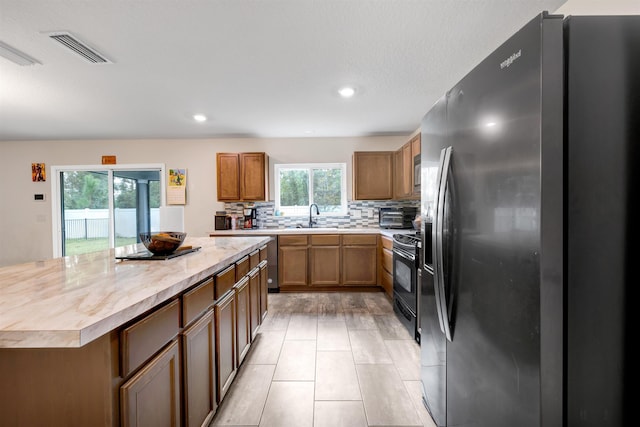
(83, 246)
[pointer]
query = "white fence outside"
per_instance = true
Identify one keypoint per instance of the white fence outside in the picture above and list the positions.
(94, 223)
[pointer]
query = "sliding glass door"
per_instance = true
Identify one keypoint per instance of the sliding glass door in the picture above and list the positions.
(102, 207)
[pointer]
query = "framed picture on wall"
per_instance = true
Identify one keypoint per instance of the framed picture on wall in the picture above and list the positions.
(38, 172)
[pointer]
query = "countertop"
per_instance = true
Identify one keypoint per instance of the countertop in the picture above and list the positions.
(389, 232)
(70, 301)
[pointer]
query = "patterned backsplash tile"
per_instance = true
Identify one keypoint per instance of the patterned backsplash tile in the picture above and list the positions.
(362, 214)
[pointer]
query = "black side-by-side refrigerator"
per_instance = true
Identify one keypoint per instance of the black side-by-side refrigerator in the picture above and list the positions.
(527, 181)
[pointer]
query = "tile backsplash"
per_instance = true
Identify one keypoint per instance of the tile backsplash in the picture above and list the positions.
(362, 214)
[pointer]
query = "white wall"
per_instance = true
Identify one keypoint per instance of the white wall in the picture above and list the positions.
(600, 7)
(25, 225)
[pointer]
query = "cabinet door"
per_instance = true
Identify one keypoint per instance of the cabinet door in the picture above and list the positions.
(254, 301)
(264, 284)
(253, 176)
(228, 176)
(225, 319)
(198, 344)
(407, 170)
(372, 175)
(243, 322)
(398, 173)
(415, 152)
(324, 265)
(359, 265)
(152, 396)
(292, 266)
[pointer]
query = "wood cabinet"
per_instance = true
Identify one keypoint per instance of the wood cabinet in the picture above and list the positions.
(242, 176)
(254, 301)
(404, 171)
(199, 360)
(225, 321)
(152, 396)
(292, 260)
(386, 264)
(373, 175)
(359, 259)
(327, 260)
(243, 320)
(264, 288)
(324, 260)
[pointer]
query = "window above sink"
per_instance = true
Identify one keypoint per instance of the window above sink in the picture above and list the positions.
(298, 185)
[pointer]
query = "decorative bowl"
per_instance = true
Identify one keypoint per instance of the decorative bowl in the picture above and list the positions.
(162, 242)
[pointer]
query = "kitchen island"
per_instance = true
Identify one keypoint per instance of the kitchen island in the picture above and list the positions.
(83, 338)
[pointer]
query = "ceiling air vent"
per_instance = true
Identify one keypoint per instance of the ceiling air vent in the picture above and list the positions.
(71, 42)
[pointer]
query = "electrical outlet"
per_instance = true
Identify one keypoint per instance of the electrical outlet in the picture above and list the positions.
(356, 213)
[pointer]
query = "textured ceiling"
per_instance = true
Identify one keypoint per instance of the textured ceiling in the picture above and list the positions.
(268, 68)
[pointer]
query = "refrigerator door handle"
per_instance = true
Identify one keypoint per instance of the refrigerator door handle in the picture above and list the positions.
(436, 239)
(441, 297)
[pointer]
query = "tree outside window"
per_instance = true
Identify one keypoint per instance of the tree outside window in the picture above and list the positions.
(298, 186)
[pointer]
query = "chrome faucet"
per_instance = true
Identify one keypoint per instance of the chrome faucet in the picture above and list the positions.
(311, 221)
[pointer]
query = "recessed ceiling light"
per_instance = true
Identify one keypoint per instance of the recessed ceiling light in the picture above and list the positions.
(347, 92)
(200, 118)
(308, 132)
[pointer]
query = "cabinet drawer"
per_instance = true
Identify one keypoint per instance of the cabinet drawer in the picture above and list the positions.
(359, 239)
(196, 301)
(242, 268)
(387, 260)
(224, 281)
(292, 240)
(387, 242)
(254, 259)
(325, 239)
(144, 338)
(263, 253)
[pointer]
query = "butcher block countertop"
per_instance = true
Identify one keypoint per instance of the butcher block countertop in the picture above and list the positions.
(71, 301)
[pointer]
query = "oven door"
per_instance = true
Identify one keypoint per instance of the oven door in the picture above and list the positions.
(405, 278)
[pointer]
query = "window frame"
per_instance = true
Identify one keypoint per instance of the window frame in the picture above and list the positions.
(310, 166)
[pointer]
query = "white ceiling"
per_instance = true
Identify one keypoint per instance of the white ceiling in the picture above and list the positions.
(261, 68)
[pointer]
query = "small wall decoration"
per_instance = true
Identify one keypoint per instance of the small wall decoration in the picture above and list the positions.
(177, 188)
(38, 172)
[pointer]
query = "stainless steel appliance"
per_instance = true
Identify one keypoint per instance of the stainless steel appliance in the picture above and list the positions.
(250, 217)
(399, 217)
(222, 221)
(405, 280)
(272, 265)
(525, 321)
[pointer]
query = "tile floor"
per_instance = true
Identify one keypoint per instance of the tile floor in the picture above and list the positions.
(328, 360)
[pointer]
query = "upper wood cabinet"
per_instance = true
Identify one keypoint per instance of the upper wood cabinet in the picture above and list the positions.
(404, 173)
(373, 175)
(242, 176)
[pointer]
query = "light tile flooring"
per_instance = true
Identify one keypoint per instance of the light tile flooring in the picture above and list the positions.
(328, 360)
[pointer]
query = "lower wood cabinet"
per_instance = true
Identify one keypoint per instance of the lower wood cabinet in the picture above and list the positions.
(327, 260)
(324, 260)
(386, 265)
(359, 259)
(264, 289)
(225, 321)
(152, 396)
(199, 361)
(243, 319)
(254, 301)
(292, 259)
